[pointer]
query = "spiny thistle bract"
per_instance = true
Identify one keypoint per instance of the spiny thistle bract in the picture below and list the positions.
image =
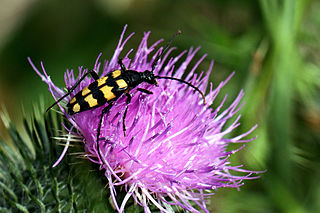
(29, 183)
(174, 151)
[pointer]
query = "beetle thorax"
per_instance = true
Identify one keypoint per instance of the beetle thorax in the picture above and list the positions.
(134, 78)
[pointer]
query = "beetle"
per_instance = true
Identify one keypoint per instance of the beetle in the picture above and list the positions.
(110, 87)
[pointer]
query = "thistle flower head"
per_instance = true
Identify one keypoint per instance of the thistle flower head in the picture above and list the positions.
(174, 150)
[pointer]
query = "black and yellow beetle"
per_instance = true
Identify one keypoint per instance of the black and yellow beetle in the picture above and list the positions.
(109, 88)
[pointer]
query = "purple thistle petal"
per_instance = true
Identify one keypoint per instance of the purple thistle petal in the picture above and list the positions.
(175, 146)
(64, 150)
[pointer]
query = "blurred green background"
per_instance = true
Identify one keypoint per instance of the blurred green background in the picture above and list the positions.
(273, 45)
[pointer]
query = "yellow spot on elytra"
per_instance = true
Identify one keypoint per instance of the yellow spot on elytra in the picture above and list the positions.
(73, 100)
(91, 100)
(102, 81)
(76, 108)
(108, 94)
(85, 91)
(121, 83)
(116, 73)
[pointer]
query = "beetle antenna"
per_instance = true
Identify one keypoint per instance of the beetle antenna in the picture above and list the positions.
(185, 82)
(164, 50)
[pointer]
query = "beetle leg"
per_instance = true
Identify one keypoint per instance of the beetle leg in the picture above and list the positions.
(123, 68)
(104, 111)
(125, 113)
(93, 74)
(145, 91)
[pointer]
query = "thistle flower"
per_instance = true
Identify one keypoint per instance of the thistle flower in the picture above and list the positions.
(174, 151)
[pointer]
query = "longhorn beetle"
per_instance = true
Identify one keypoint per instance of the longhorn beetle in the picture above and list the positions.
(110, 87)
